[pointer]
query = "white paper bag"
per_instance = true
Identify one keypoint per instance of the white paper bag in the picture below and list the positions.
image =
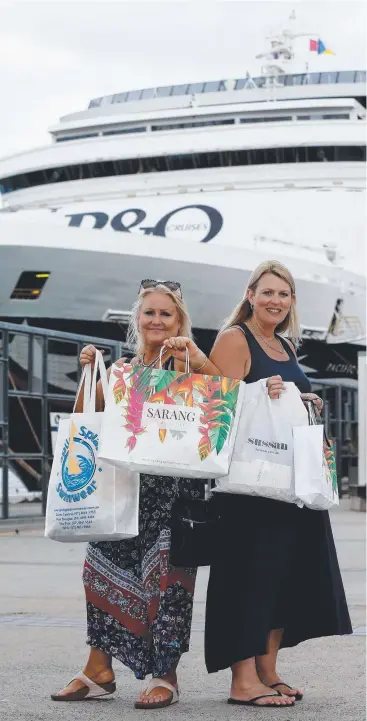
(89, 500)
(170, 424)
(315, 480)
(262, 460)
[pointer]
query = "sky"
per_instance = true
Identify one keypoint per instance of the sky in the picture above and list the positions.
(56, 56)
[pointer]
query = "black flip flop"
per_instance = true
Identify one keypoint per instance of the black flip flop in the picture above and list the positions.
(297, 696)
(252, 701)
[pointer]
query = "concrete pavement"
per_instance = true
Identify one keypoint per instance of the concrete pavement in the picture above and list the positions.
(42, 641)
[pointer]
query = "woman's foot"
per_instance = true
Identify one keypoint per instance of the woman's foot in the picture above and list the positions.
(100, 677)
(273, 681)
(159, 694)
(246, 693)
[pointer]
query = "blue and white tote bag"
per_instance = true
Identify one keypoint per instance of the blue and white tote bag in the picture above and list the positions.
(88, 499)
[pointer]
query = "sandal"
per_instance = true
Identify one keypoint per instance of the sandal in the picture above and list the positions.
(158, 683)
(252, 701)
(90, 690)
(297, 696)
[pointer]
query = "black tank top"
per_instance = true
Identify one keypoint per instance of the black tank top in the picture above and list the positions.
(262, 366)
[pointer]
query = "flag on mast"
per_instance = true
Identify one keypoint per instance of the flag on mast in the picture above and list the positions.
(319, 47)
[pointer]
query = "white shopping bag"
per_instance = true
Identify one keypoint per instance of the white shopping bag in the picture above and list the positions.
(168, 423)
(314, 466)
(262, 460)
(89, 500)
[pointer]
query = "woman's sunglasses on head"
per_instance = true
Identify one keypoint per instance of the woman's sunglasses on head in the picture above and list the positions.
(172, 285)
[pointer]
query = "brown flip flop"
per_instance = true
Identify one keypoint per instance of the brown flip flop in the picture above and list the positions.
(158, 683)
(90, 690)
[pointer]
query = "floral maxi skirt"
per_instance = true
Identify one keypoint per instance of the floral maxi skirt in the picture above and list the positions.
(139, 608)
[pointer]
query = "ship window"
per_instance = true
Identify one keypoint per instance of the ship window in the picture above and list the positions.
(360, 76)
(147, 94)
(259, 82)
(240, 84)
(179, 89)
(64, 138)
(123, 131)
(328, 77)
(187, 161)
(265, 119)
(196, 88)
(95, 103)
(133, 95)
(164, 91)
(346, 76)
(30, 285)
(212, 87)
(298, 79)
(120, 98)
(312, 78)
(336, 116)
(195, 124)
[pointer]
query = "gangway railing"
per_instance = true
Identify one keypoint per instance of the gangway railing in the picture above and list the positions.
(39, 371)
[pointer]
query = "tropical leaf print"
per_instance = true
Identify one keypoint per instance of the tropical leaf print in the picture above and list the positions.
(161, 379)
(218, 406)
(137, 394)
(119, 387)
(204, 444)
(216, 397)
(330, 459)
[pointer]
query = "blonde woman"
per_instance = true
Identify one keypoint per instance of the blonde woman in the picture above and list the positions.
(139, 608)
(275, 581)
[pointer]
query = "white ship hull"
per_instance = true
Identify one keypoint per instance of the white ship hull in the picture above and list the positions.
(95, 265)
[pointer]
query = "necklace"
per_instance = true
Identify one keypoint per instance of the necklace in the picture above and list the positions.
(277, 350)
(148, 365)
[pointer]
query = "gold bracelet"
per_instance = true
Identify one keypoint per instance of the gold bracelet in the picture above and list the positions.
(200, 367)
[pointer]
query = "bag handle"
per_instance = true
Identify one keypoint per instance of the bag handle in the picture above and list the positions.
(310, 407)
(187, 359)
(90, 387)
(86, 377)
(312, 419)
(98, 365)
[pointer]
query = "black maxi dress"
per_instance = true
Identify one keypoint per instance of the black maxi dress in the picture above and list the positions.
(275, 566)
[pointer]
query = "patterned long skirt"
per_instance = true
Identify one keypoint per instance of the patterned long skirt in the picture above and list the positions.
(139, 608)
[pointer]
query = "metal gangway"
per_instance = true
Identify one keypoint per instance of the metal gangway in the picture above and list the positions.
(39, 375)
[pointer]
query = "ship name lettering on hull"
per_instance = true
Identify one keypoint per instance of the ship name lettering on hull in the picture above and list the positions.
(164, 226)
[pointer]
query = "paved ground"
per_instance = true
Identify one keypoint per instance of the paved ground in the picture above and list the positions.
(42, 641)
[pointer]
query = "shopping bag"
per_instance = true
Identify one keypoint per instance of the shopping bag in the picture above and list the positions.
(316, 483)
(262, 460)
(168, 423)
(89, 500)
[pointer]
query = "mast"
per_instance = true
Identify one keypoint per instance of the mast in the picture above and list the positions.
(279, 57)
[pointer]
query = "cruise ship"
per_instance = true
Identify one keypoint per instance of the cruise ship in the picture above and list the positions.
(199, 183)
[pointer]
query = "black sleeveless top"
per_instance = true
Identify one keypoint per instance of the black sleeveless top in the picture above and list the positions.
(262, 366)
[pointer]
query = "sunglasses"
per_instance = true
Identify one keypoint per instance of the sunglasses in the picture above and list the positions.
(170, 284)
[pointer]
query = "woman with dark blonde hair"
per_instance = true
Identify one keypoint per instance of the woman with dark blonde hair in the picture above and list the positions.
(139, 607)
(275, 579)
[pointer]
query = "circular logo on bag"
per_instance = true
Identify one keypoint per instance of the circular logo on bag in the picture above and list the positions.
(78, 464)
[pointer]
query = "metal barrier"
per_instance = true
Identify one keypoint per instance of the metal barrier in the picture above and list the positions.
(341, 424)
(39, 373)
(39, 367)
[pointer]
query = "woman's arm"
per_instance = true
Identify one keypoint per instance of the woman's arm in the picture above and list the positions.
(231, 355)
